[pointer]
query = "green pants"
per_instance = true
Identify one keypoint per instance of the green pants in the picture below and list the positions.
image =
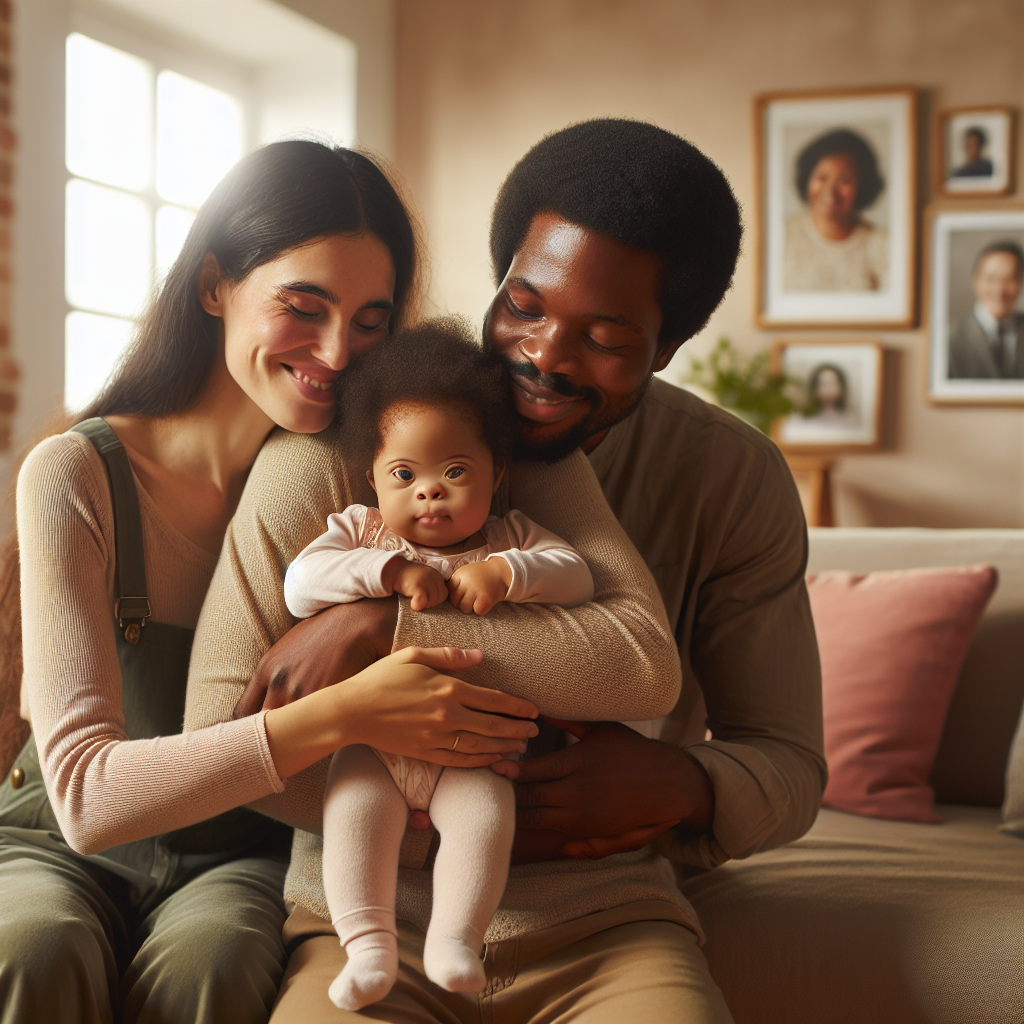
(81, 944)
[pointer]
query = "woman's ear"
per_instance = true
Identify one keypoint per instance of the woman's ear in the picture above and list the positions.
(210, 278)
(369, 477)
(499, 475)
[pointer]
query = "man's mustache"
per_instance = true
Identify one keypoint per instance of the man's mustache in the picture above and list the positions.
(556, 382)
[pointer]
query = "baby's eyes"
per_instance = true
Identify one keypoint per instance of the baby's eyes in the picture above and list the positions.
(405, 475)
(454, 473)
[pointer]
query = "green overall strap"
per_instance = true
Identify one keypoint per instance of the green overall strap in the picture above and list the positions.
(131, 602)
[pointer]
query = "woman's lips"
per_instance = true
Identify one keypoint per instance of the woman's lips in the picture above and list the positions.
(313, 386)
(540, 404)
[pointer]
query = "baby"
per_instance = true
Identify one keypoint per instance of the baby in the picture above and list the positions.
(437, 423)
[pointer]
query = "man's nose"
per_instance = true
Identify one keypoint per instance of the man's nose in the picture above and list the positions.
(551, 351)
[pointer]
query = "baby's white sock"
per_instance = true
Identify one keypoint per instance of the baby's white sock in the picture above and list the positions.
(453, 963)
(370, 973)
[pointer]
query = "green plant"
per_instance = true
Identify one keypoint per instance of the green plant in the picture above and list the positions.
(745, 385)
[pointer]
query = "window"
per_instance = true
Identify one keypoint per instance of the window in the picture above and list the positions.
(144, 147)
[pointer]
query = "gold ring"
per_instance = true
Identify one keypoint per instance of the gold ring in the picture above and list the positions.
(456, 743)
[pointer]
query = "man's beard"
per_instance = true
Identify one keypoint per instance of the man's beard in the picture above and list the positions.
(554, 449)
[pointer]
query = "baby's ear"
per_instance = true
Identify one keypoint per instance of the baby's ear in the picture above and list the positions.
(499, 475)
(369, 477)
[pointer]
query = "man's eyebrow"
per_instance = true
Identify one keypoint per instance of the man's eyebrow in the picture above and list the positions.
(620, 321)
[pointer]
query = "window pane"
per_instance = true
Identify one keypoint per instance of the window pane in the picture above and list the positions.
(107, 249)
(172, 224)
(199, 137)
(109, 121)
(92, 345)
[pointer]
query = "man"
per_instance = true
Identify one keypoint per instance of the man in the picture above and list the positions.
(988, 343)
(613, 242)
(976, 164)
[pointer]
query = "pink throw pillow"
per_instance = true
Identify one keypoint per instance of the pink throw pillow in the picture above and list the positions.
(892, 645)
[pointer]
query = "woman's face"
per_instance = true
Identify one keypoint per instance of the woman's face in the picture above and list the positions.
(832, 189)
(293, 324)
(828, 389)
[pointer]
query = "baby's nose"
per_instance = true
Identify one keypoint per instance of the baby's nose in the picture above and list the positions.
(433, 492)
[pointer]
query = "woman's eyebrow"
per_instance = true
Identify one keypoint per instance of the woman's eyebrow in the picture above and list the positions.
(312, 289)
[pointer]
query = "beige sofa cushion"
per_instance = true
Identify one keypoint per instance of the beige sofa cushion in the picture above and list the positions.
(972, 760)
(870, 920)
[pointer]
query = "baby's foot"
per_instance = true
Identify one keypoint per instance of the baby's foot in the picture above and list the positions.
(452, 964)
(369, 974)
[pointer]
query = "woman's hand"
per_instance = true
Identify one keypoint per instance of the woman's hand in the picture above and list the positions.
(404, 704)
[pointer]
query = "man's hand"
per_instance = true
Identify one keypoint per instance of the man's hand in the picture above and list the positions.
(613, 792)
(479, 586)
(320, 651)
(424, 586)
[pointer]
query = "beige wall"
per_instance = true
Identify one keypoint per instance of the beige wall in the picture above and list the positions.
(479, 81)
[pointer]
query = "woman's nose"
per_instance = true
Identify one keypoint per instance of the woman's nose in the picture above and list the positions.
(332, 348)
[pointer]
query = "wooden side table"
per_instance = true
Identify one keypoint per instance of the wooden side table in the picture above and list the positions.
(816, 494)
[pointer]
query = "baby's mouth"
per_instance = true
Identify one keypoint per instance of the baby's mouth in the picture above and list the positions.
(433, 518)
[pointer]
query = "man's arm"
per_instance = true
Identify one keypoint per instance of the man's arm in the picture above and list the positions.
(559, 655)
(758, 782)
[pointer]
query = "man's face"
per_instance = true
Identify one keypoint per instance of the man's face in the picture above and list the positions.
(997, 283)
(576, 321)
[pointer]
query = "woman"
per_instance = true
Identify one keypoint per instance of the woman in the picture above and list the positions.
(116, 903)
(830, 247)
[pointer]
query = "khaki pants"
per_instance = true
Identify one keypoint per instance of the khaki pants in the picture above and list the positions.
(78, 947)
(645, 971)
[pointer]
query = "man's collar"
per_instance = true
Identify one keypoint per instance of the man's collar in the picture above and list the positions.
(989, 324)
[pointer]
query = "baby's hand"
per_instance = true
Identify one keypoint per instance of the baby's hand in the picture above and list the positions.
(479, 586)
(424, 586)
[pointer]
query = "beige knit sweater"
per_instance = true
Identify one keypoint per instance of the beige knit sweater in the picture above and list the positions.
(106, 789)
(613, 658)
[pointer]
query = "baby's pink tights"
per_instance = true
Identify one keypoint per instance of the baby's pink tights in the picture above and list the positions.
(364, 821)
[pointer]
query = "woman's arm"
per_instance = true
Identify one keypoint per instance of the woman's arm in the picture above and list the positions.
(296, 481)
(106, 790)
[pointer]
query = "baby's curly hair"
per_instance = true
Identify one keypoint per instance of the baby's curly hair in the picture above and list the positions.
(436, 363)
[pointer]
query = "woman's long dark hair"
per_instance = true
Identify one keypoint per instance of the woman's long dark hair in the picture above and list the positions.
(272, 200)
(277, 197)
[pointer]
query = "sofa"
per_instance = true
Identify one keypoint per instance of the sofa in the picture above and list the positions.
(868, 920)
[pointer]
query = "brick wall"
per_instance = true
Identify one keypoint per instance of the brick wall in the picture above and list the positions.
(8, 144)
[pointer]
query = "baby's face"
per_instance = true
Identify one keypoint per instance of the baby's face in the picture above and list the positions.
(434, 476)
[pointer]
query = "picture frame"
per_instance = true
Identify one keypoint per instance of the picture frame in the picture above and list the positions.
(836, 176)
(969, 362)
(975, 151)
(846, 379)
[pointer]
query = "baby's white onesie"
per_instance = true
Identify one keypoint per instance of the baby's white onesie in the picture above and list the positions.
(472, 808)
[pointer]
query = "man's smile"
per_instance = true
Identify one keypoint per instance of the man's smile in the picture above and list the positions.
(541, 404)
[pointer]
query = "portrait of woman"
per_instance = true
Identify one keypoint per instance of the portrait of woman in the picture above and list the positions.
(832, 246)
(837, 391)
(836, 237)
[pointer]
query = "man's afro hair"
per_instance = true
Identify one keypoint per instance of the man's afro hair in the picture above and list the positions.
(436, 363)
(642, 186)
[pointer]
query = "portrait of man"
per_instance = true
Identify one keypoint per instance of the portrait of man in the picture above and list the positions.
(831, 245)
(988, 343)
(976, 164)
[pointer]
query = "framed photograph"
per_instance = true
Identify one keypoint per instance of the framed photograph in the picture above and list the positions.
(839, 394)
(974, 266)
(837, 178)
(975, 151)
